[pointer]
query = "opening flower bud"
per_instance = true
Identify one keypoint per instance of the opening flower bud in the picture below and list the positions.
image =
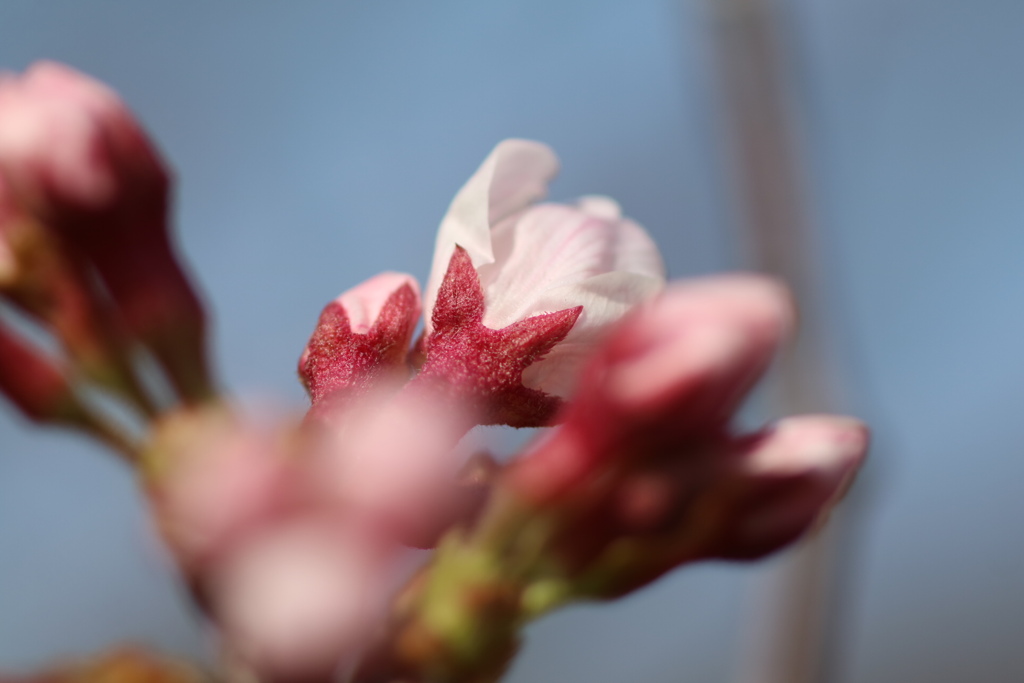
(361, 341)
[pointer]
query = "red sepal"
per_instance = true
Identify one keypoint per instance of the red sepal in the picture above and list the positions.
(340, 363)
(483, 366)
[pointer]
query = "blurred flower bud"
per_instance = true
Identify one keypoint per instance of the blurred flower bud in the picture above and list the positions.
(216, 478)
(38, 277)
(301, 599)
(669, 375)
(290, 563)
(519, 295)
(44, 392)
(77, 161)
(643, 475)
(781, 482)
(393, 461)
(361, 340)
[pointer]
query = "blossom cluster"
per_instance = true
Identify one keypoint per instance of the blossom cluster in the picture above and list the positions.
(294, 534)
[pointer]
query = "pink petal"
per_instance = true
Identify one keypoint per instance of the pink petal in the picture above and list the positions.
(673, 370)
(700, 346)
(300, 599)
(555, 257)
(513, 176)
(786, 481)
(363, 303)
(394, 459)
(235, 477)
(47, 142)
(553, 248)
(605, 300)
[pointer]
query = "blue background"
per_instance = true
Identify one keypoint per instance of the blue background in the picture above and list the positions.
(319, 143)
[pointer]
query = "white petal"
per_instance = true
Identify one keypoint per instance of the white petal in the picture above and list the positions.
(605, 298)
(554, 247)
(600, 206)
(514, 176)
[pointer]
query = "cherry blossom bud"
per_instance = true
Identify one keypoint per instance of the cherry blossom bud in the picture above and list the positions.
(43, 391)
(301, 599)
(38, 276)
(553, 277)
(671, 374)
(361, 340)
(738, 499)
(77, 161)
(393, 462)
(216, 478)
(782, 481)
(644, 475)
(289, 567)
(70, 146)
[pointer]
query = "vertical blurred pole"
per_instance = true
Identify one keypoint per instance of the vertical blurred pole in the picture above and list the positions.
(789, 630)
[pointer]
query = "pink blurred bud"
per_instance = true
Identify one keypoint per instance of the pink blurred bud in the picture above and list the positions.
(219, 479)
(280, 554)
(361, 340)
(737, 499)
(643, 475)
(77, 160)
(393, 462)
(782, 481)
(671, 373)
(69, 145)
(301, 599)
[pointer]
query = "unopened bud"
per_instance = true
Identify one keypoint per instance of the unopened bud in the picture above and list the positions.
(43, 391)
(360, 341)
(78, 162)
(644, 476)
(38, 276)
(213, 477)
(299, 600)
(393, 459)
(782, 482)
(670, 374)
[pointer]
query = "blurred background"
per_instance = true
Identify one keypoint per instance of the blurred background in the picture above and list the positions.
(319, 143)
